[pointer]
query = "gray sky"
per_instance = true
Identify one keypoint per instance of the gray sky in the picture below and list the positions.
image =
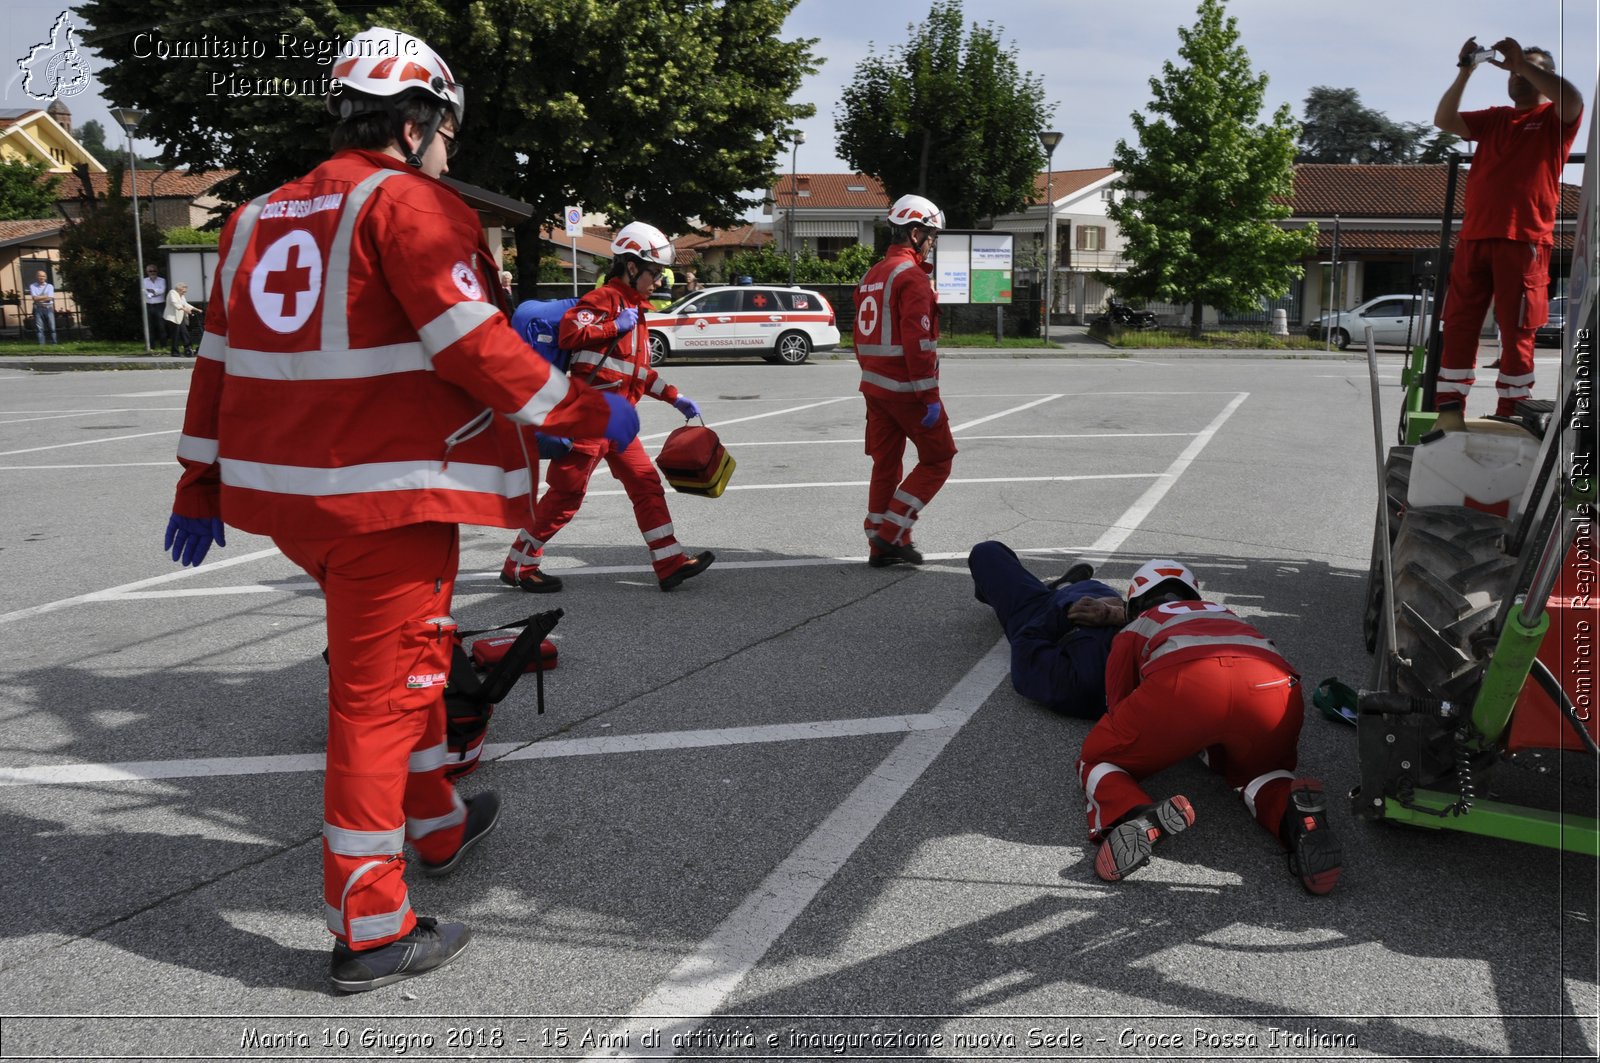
(1096, 63)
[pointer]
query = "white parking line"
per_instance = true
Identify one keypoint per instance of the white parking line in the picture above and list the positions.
(1004, 413)
(75, 413)
(89, 442)
(743, 443)
(111, 593)
(947, 483)
(759, 416)
(703, 981)
(214, 767)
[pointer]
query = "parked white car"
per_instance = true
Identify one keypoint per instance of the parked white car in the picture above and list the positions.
(779, 324)
(1396, 321)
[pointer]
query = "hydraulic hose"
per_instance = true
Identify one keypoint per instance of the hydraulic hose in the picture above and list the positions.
(1543, 676)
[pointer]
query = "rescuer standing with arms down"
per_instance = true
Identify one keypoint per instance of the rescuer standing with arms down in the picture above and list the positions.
(358, 394)
(1513, 190)
(897, 346)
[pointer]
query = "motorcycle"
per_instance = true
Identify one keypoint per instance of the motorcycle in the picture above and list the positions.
(1124, 316)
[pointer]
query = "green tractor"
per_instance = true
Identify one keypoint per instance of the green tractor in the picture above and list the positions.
(1481, 611)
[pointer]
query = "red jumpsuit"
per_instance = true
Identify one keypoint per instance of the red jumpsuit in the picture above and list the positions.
(345, 403)
(1187, 678)
(897, 347)
(607, 361)
(1503, 252)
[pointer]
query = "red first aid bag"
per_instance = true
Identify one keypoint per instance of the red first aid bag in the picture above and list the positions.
(486, 653)
(694, 461)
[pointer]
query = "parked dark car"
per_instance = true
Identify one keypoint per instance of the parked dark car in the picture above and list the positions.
(1549, 334)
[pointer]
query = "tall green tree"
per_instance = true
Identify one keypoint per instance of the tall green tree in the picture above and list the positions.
(25, 191)
(948, 115)
(1338, 127)
(1207, 179)
(661, 110)
(92, 135)
(100, 262)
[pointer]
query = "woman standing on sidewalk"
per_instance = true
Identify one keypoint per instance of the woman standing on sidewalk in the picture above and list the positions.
(178, 311)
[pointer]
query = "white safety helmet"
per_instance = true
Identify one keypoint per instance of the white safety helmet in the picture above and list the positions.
(1153, 574)
(644, 242)
(377, 66)
(916, 210)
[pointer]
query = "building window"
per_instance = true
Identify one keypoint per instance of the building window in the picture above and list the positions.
(1091, 238)
(1108, 194)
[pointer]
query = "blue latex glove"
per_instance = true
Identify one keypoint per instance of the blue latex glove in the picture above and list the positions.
(551, 447)
(189, 538)
(623, 427)
(626, 319)
(685, 405)
(931, 418)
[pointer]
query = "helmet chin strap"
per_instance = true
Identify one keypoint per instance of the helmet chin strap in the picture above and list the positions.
(414, 158)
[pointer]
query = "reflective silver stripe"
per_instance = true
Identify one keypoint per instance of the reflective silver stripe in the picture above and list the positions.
(1454, 388)
(214, 347)
(1189, 642)
(905, 520)
(194, 448)
(241, 240)
(1145, 626)
(927, 383)
(453, 324)
(665, 552)
(1516, 381)
(928, 345)
(421, 828)
(346, 842)
(658, 533)
(878, 350)
(544, 400)
(885, 383)
(1253, 787)
(658, 387)
(357, 364)
(874, 517)
(888, 294)
(1456, 374)
(908, 499)
(615, 365)
(526, 549)
(468, 756)
(1096, 774)
(428, 759)
(1514, 393)
(377, 476)
(336, 289)
(375, 927)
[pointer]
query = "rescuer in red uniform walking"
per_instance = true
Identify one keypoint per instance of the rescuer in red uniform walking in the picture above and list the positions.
(611, 351)
(897, 347)
(1188, 677)
(358, 394)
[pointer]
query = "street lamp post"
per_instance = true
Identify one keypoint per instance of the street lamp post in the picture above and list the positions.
(1049, 139)
(129, 120)
(794, 196)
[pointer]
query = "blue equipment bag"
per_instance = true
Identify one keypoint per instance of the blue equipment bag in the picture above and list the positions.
(539, 325)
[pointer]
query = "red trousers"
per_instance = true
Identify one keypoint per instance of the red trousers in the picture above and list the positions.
(1242, 714)
(1515, 276)
(567, 481)
(893, 505)
(389, 642)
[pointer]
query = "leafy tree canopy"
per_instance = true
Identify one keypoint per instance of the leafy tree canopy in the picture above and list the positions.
(1340, 128)
(92, 135)
(768, 265)
(1201, 183)
(662, 110)
(101, 267)
(947, 116)
(25, 191)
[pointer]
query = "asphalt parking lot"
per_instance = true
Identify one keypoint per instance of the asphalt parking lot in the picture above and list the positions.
(791, 810)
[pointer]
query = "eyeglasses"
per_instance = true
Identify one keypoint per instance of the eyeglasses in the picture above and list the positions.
(450, 145)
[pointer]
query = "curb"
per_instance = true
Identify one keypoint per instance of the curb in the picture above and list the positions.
(67, 363)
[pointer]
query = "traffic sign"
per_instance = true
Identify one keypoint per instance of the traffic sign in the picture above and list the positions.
(574, 221)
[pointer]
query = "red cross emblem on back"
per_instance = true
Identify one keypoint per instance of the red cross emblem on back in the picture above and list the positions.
(289, 281)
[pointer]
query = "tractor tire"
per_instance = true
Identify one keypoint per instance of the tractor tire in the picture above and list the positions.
(1396, 482)
(1451, 574)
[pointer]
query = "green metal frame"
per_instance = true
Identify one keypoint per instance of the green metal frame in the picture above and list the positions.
(1417, 421)
(1494, 819)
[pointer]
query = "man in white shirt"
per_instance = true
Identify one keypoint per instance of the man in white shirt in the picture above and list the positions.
(155, 303)
(44, 306)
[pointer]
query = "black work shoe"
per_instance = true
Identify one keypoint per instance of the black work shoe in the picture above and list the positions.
(430, 944)
(529, 577)
(1127, 846)
(1315, 857)
(897, 551)
(483, 812)
(877, 560)
(701, 562)
(1076, 574)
